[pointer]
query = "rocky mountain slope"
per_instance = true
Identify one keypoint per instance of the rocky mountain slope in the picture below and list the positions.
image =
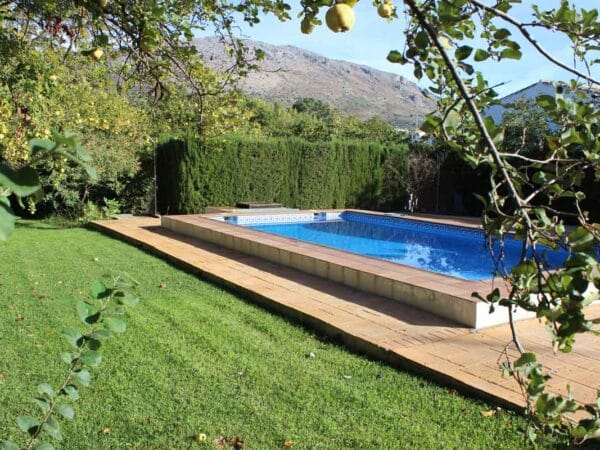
(288, 73)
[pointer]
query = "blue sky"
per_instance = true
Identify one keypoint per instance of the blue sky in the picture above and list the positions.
(372, 38)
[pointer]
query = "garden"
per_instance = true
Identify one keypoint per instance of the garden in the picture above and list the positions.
(107, 108)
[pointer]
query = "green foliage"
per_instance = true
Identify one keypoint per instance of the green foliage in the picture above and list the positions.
(314, 107)
(25, 183)
(91, 211)
(45, 86)
(525, 127)
(101, 315)
(315, 120)
(222, 171)
(148, 42)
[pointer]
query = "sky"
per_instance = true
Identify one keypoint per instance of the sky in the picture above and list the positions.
(372, 38)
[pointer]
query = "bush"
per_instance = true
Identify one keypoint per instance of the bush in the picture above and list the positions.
(193, 174)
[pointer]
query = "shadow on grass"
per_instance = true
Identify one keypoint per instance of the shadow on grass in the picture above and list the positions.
(47, 224)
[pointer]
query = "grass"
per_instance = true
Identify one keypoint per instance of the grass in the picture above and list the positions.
(197, 359)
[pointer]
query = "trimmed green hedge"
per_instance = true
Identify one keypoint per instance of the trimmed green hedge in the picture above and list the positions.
(193, 174)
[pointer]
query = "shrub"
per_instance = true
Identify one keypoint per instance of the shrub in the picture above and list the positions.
(193, 174)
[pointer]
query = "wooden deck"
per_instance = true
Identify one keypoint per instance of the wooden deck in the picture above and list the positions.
(400, 335)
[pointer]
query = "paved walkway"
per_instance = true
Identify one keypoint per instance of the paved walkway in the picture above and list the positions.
(400, 335)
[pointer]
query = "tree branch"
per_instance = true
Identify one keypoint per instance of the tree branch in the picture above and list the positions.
(525, 32)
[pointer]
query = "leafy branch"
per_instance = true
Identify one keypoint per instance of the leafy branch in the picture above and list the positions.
(102, 316)
(522, 27)
(24, 181)
(535, 192)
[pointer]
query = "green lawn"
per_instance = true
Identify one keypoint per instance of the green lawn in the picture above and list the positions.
(196, 359)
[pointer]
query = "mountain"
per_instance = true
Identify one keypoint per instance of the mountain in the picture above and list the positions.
(288, 73)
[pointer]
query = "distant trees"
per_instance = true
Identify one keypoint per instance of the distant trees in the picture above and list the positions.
(314, 107)
(314, 120)
(525, 127)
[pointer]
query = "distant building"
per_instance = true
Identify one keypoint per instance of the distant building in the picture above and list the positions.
(414, 134)
(530, 93)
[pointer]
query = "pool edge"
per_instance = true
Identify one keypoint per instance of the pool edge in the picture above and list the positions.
(445, 296)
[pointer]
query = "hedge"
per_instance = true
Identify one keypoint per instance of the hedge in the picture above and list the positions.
(193, 174)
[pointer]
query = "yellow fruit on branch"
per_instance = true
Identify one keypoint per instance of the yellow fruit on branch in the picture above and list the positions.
(97, 53)
(306, 26)
(103, 3)
(340, 18)
(385, 10)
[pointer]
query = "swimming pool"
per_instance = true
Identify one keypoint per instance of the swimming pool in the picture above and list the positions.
(367, 251)
(450, 250)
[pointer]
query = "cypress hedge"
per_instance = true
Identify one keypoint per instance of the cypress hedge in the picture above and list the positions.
(193, 173)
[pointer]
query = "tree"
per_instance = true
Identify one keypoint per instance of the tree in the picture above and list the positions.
(314, 107)
(77, 67)
(525, 127)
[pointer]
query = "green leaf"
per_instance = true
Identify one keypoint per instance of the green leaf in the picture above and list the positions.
(481, 55)
(431, 123)
(539, 177)
(43, 446)
(45, 388)
(581, 239)
(83, 377)
(65, 410)
(64, 139)
(41, 145)
(43, 403)
(527, 267)
(7, 218)
(116, 310)
(100, 335)
(52, 427)
(421, 39)
(93, 344)
(578, 432)
(463, 52)
(67, 357)
(28, 424)
(547, 102)
(115, 325)
(73, 337)
(396, 57)
(579, 260)
(21, 182)
(524, 359)
(511, 53)
(98, 290)
(71, 391)
(501, 33)
(87, 313)
(10, 445)
(126, 298)
(91, 358)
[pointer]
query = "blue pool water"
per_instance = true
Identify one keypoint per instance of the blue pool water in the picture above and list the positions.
(455, 251)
